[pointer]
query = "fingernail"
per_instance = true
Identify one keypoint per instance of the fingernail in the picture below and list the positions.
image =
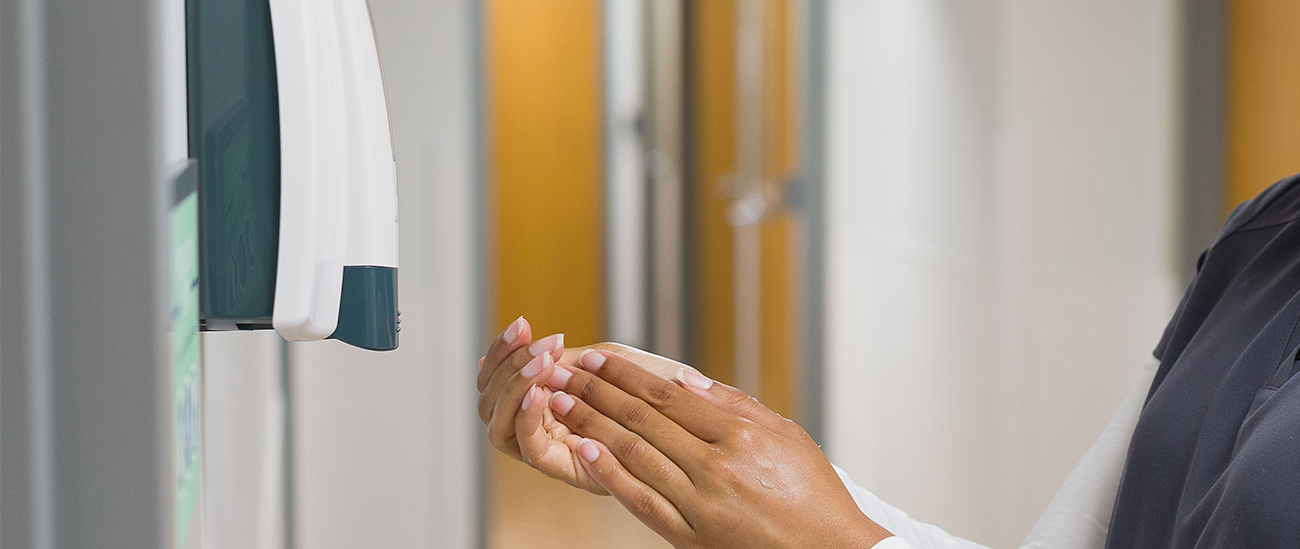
(535, 365)
(560, 377)
(480, 362)
(512, 331)
(588, 450)
(558, 351)
(547, 344)
(562, 403)
(591, 360)
(693, 378)
(528, 400)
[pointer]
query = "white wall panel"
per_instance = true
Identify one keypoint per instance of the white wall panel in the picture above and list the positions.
(999, 228)
(243, 441)
(386, 444)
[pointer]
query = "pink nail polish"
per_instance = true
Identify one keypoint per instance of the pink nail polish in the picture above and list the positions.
(588, 450)
(693, 378)
(560, 377)
(548, 344)
(528, 400)
(591, 360)
(535, 366)
(512, 331)
(562, 403)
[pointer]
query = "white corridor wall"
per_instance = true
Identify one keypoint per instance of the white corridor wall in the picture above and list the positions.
(1000, 183)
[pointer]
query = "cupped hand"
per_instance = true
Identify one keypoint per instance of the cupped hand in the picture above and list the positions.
(513, 390)
(514, 372)
(702, 463)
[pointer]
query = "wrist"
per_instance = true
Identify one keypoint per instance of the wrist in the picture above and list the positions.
(864, 533)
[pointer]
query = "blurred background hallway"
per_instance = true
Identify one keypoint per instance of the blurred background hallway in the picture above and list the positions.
(955, 228)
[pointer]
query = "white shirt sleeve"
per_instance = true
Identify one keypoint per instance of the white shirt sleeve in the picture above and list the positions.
(1078, 517)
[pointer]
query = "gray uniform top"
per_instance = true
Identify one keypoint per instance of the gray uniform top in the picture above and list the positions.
(1215, 459)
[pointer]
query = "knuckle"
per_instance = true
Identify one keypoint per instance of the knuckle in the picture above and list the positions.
(738, 398)
(518, 359)
(643, 504)
(662, 394)
(578, 419)
(747, 434)
(635, 415)
(631, 449)
(659, 475)
(581, 386)
(728, 475)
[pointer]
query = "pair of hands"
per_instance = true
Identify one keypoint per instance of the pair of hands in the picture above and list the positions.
(699, 462)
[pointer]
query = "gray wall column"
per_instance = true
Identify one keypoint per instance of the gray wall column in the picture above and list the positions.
(83, 356)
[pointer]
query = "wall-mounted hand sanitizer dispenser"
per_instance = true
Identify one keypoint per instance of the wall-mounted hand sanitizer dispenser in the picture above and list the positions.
(297, 185)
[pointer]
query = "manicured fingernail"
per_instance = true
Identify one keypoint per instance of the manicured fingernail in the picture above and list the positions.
(588, 450)
(591, 360)
(558, 351)
(547, 344)
(480, 362)
(693, 378)
(528, 400)
(560, 377)
(562, 403)
(535, 365)
(512, 331)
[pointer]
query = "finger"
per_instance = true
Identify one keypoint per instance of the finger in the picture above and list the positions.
(670, 399)
(560, 377)
(553, 344)
(661, 366)
(647, 505)
(735, 401)
(642, 459)
(501, 429)
(487, 397)
(555, 456)
(633, 414)
(516, 335)
(534, 442)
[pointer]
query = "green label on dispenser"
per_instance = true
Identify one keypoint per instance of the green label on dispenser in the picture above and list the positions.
(186, 380)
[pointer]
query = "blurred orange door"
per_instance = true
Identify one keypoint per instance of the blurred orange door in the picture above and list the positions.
(713, 123)
(545, 146)
(1263, 87)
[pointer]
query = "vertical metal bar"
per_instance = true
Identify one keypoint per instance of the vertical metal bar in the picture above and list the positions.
(690, 171)
(812, 203)
(625, 193)
(749, 182)
(664, 172)
(26, 471)
(1204, 35)
(477, 22)
(287, 469)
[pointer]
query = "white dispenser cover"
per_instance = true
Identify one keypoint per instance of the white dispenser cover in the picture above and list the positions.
(338, 184)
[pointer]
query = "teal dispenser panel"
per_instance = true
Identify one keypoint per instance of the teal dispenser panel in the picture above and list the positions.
(368, 316)
(235, 137)
(235, 140)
